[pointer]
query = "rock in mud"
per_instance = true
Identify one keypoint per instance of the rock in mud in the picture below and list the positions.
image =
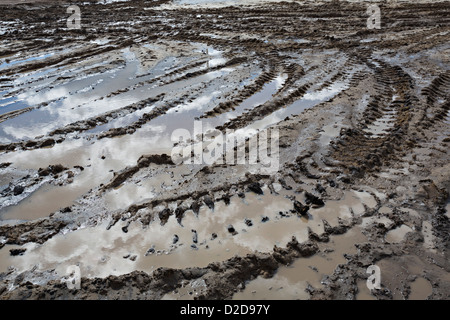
(300, 208)
(194, 236)
(312, 199)
(209, 202)
(17, 252)
(47, 143)
(248, 222)
(66, 210)
(265, 219)
(255, 187)
(18, 190)
(195, 207)
(179, 213)
(150, 251)
(226, 199)
(51, 169)
(5, 165)
(231, 230)
(175, 239)
(164, 215)
(320, 188)
(145, 161)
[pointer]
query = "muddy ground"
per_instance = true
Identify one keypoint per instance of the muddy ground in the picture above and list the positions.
(86, 177)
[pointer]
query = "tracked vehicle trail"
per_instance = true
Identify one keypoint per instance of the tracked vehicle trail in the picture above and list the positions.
(86, 118)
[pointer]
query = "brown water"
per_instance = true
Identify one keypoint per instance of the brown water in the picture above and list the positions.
(363, 291)
(398, 234)
(420, 289)
(291, 281)
(100, 252)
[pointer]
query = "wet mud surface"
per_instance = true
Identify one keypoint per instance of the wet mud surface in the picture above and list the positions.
(86, 177)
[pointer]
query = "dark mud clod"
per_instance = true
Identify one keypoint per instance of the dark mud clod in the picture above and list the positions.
(179, 213)
(248, 222)
(312, 199)
(164, 215)
(226, 199)
(52, 169)
(150, 251)
(5, 165)
(265, 219)
(195, 207)
(66, 210)
(300, 208)
(231, 230)
(194, 236)
(18, 190)
(175, 239)
(17, 252)
(209, 202)
(255, 187)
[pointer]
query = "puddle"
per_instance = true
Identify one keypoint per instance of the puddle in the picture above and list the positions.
(100, 252)
(14, 62)
(420, 289)
(369, 221)
(352, 201)
(87, 96)
(42, 203)
(187, 291)
(397, 272)
(50, 198)
(398, 234)
(291, 281)
(276, 288)
(329, 132)
(364, 291)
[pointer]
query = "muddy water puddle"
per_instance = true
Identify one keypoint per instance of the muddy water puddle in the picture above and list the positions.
(405, 278)
(100, 252)
(398, 234)
(88, 95)
(420, 289)
(46, 200)
(364, 292)
(291, 281)
(256, 220)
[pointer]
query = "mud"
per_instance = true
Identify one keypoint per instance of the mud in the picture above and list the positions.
(86, 177)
